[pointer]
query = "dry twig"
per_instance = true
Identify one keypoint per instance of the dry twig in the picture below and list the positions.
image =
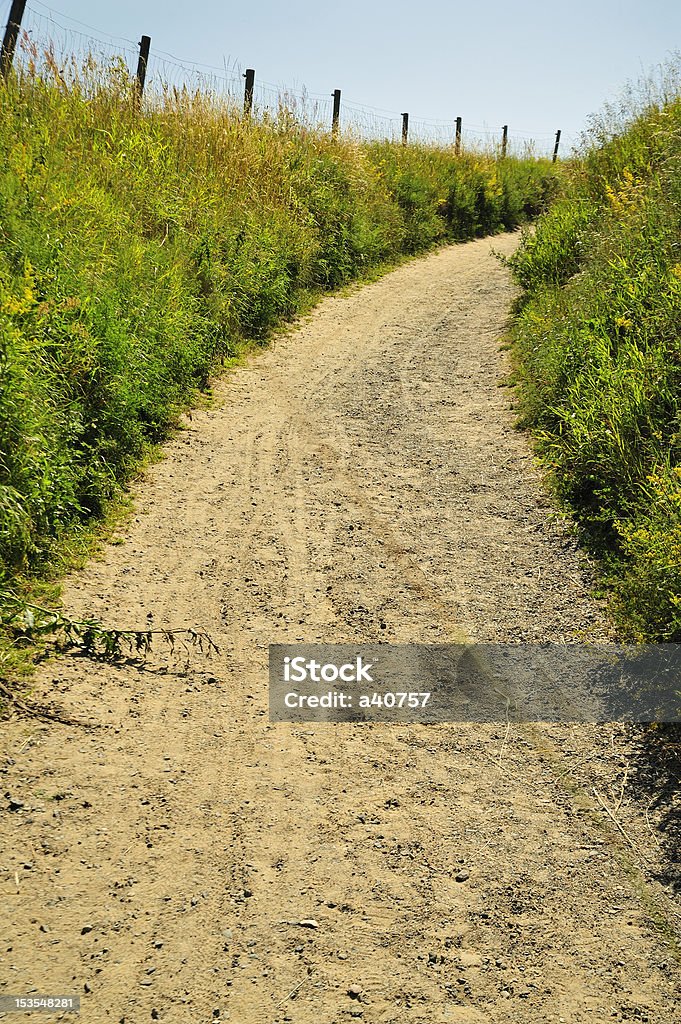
(617, 823)
(294, 992)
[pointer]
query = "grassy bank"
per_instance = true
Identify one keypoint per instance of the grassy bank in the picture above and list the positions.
(136, 252)
(598, 346)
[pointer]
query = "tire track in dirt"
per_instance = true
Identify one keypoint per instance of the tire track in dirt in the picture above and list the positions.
(361, 480)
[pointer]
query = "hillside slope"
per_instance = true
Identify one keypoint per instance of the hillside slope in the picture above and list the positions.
(138, 252)
(598, 354)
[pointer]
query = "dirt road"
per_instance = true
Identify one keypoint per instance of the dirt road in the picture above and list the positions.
(360, 480)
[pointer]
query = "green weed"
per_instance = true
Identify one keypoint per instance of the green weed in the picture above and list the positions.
(598, 352)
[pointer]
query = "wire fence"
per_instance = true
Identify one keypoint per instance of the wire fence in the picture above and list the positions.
(67, 40)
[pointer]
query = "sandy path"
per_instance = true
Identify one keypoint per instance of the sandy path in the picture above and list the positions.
(361, 481)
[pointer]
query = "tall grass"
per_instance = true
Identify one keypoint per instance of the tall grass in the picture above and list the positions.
(137, 251)
(598, 343)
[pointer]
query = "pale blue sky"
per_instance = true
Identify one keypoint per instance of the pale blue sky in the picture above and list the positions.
(534, 65)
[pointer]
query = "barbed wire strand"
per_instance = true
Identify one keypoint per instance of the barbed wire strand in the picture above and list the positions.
(166, 71)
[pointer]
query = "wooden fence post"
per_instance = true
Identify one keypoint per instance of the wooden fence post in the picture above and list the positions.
(457, 137)
(504, 140)
(555, 148)
(248, 91)
(405, 129)
(9, 41)
(142, 62)
(335, 122)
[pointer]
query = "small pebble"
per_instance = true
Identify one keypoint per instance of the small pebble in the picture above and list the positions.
(462, 876)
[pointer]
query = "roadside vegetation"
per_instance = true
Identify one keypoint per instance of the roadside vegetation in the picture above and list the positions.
(598, 351)
(140, 251)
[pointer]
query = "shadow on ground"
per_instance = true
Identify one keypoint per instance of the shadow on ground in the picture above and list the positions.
(656, 784)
